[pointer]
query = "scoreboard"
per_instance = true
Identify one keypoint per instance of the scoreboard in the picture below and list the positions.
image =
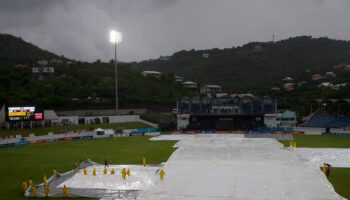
(24, 113)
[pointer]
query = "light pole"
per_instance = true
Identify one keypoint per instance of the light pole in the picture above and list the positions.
(115, 37)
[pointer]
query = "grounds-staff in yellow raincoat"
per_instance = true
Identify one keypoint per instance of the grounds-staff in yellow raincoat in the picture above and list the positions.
(128, 172)
(47, 191)
(65, 191)
(45, 180)
(24, 185)
(105, 170)
(33, 191)
(123, 173)
(161, 174)
(144, 161)
(324, 168)
(85, 171)
(30, 182)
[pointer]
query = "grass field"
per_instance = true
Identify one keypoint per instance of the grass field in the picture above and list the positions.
(340, 177)
(320, 141)
(39, 159)
(63, 129)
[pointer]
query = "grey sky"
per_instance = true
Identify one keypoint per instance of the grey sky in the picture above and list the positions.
(79, 28)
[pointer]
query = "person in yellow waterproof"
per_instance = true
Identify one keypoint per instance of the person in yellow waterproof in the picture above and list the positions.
(144, 161)
(33, 191)
(128, 172)
(30, 182)
(85, 171)
(55, 171)
(45, 180)
(105, 170)
(294, 145)
(65, 191)
(123, 173)
(94, 172)
(112, 171)
(161, 174)
(24, 185)
(324, 168)
(47, 190)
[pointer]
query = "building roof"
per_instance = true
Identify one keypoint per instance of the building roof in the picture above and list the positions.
(151, 72)
(288, 78)
(50, 115)
(288, 114)
(189, 83)
(212, 86)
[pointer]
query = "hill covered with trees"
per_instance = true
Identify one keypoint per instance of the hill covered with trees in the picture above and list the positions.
(256, 68)
(259, 66)
(76, 84)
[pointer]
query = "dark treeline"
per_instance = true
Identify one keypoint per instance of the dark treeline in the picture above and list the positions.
(258, 66)
(76, 85)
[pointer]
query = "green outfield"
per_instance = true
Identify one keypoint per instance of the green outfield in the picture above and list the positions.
(320, 141)
(340, 177)
(35, 160)
(38, 159)
(64, 129)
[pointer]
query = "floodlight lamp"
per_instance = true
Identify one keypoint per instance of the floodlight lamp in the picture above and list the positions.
(115, 37)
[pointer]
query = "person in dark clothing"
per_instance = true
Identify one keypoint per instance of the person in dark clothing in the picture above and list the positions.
(328, 169)
(106, 163)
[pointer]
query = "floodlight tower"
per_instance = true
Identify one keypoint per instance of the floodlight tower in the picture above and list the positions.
(115, 37)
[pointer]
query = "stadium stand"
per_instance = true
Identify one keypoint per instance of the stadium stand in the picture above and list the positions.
(332, 113)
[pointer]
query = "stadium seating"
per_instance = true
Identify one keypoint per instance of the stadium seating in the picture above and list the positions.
(340, 123)
(324, 119)
(320, 119)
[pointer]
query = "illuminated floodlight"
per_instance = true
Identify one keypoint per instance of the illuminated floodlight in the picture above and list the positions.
(115, 37)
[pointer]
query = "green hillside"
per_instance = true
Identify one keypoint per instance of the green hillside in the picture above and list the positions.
(258, 66)
(14, 50)
(76, 84)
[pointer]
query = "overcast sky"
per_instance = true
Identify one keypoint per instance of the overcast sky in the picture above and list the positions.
(79, 29)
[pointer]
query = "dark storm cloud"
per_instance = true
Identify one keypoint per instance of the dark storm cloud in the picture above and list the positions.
(79, 28)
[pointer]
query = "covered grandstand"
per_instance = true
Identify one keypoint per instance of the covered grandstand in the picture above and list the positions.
(329, 113)
(235, 112)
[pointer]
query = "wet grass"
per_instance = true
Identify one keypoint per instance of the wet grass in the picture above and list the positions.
(64, 129)
(35, 160)
(320, 141)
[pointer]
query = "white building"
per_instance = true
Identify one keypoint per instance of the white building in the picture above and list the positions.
(316, 77)
(270, 120)
(190, 85)
(287, 79)
(205, 55)
(284, 119)
(330, 75)
(206, 89)
(275, 88)
(43, 70)
(164, 58)
(154, 74)
(325, 85)
(287, 119)
(179, 79)
(289, 86)
(43, 62)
